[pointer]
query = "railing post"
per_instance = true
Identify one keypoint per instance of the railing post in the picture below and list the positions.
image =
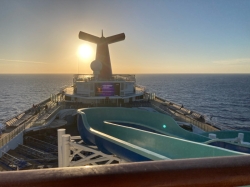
(65, 150)
(60, 132)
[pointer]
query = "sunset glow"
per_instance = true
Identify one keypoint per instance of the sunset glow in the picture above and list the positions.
(85, 51)
(166, 36)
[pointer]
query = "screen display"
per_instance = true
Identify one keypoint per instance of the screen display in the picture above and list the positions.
(107, 89)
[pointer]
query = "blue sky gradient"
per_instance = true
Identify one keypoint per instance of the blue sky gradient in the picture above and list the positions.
(163, 36)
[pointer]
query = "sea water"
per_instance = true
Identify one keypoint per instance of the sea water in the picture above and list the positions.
(20, 92)
(222, 98)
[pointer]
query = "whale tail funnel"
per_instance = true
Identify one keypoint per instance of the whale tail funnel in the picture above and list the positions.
(102, 51)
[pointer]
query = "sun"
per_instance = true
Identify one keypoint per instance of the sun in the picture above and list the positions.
(84, 51)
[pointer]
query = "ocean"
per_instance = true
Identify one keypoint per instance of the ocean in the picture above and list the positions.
(224, 99)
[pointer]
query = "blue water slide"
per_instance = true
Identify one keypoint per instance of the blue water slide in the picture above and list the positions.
(96, 127)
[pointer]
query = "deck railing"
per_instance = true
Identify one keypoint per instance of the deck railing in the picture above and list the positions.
(49, 117)
(26, 125)
(5, 139)
(220, 171)
(115, 77)
(204, 126)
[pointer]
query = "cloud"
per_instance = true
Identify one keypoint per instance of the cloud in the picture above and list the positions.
(240, 61)
(23, 61)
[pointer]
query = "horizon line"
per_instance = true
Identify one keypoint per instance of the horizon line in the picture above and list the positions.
(117, 73)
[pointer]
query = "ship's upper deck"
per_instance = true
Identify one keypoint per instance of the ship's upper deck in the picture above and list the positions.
(114, 78)
(119, 86)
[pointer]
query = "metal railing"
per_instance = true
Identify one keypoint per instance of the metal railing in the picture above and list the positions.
(115, 77)
(26, 125)
(49, 117)
(220, 171)
(203, 126)
(4, 140)
(24, 112)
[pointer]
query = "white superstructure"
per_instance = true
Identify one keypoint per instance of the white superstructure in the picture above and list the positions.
(117, 90)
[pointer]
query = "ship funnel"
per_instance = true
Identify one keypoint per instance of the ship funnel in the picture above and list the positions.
(102, 51)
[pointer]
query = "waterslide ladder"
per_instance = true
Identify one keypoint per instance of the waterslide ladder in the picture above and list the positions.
(72, 153)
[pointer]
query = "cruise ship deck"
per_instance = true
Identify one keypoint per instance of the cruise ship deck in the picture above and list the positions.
(118, 135)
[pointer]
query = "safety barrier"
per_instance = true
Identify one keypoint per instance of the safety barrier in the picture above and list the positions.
(5, 139)
(11, 120)
(26, 125)
(220, 171)
(204, 126)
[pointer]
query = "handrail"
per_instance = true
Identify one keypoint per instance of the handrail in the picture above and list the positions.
(4, 140)
(42, 122)
(26, 125)
(115, 77)
(217, 126)
(202, 125)
(11, 117)
(220, 171)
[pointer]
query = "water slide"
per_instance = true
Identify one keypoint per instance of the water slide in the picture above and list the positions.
(99, 126)
(163, 124)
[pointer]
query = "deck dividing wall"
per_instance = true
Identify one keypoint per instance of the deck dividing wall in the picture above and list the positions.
(12, 144)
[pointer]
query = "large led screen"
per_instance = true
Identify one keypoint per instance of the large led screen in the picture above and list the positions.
(107, 89)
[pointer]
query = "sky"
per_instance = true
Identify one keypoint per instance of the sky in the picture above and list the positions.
(162, 36)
